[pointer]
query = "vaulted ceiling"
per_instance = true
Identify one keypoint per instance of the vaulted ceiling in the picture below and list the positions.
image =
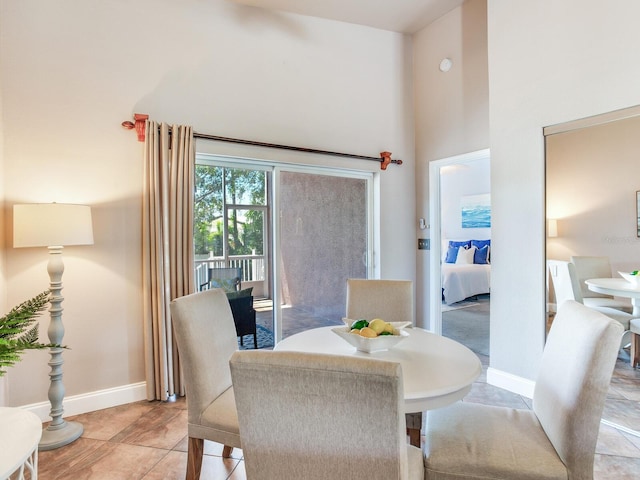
(406, 16)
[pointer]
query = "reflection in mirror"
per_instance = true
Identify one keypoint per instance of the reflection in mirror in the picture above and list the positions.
(592, 176)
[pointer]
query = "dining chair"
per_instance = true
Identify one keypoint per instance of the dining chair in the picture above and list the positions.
(566, 286)
(587, 267)
(206, 338)
(317, 416)
(554, 440)
(391, 300)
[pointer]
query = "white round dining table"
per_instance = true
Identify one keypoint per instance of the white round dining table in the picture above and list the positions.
(436, 371)
(618, 287)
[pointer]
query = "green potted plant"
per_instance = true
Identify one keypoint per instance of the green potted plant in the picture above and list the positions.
(19, 331)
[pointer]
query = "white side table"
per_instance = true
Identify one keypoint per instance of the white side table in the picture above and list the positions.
(20, 432)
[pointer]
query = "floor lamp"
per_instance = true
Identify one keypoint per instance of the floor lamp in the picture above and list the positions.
(54, 225)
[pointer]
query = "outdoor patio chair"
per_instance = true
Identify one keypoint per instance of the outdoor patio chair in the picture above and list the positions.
(244, 317)
(229, 279)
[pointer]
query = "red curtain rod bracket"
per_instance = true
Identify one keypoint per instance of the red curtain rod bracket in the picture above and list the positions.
(139, 125)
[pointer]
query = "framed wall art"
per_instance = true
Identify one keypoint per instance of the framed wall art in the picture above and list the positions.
(476, 211)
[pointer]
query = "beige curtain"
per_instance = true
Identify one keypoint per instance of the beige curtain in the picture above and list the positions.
(167, 249)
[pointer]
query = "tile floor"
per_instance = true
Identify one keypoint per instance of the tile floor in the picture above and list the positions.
(147, 440)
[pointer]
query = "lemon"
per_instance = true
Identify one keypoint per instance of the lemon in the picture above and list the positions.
(377, 325)
(388, 328)
(355, 330)
(368, 332)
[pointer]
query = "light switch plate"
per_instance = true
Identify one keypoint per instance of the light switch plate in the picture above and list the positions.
(424, 244)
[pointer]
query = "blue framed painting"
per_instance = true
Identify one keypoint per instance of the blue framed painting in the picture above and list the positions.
(476, 211)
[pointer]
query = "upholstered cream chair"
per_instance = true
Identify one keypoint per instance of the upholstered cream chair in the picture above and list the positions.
(206, 338)
(391, 300)
(587, 267)
(555, 440)
(316, 417)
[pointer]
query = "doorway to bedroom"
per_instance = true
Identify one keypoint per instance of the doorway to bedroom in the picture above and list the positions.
(460, 197)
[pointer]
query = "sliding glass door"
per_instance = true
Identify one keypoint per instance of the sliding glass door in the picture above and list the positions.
(322, 239)
(297, 233)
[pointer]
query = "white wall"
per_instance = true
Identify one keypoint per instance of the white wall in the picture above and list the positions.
(451, 108)
(456, 182)
(72, 71)
(549, 62)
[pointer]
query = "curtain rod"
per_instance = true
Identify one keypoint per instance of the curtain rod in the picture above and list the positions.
(139, 125)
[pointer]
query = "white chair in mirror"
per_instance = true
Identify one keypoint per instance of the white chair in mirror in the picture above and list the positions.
(587, 267)
(566, 286)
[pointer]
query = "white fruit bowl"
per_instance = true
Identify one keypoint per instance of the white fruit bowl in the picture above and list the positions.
(630, 278)
(369, 345)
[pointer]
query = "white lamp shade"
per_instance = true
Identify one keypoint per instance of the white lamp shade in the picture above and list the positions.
(51, 224)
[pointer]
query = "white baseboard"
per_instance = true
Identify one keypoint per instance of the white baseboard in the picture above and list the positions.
(92, 401)
(508, 381)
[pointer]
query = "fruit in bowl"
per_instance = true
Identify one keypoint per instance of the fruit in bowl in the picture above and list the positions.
(373, 336)
(632, 277)
(374, 328)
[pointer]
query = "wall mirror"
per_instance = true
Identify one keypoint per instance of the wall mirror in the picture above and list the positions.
(592, 176)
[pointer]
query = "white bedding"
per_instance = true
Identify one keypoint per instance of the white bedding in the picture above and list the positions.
(460, 281)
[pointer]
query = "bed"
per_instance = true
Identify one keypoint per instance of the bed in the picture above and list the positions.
(464, 281)
(466, 270)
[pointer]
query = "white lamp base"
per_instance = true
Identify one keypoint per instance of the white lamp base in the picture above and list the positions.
(59, 436)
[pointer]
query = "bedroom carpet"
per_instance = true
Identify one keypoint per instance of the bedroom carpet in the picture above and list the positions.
(469, 325)
(458, 305)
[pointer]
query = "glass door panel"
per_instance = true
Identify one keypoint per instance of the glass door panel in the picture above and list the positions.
(231, 229)
(323, 240)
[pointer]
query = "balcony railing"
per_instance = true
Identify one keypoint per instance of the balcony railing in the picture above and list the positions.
(253, 267)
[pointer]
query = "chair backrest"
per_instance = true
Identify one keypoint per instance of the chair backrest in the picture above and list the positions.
(206, 338)
(591, 267)
(563, 279)
(315, 416)
(229, 279)
(573, 381)
(391, 300)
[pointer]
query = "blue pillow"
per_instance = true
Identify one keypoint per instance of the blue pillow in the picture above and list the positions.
(480, 243)
(465, 244)
(452, 254)
(481, 255)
